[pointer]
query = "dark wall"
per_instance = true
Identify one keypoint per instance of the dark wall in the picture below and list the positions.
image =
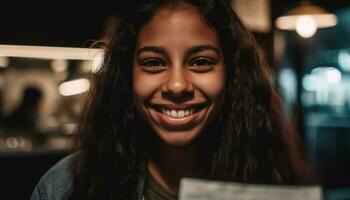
(53, 24)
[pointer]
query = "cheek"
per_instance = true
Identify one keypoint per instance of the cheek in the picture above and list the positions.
(144, 86)
(212, 85)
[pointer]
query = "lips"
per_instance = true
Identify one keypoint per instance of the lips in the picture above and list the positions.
(178, 116)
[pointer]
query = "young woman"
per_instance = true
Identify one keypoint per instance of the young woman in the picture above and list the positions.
(184, 91)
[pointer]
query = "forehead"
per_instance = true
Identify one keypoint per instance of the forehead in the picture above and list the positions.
(180, 24)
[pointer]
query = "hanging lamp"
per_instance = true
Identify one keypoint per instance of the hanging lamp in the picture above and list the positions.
(306, 19)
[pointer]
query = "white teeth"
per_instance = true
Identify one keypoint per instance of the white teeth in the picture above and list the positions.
(181, 114)
(173, 114)
(177, 114)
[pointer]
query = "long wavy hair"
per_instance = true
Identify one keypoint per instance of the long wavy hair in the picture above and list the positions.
(253, 142)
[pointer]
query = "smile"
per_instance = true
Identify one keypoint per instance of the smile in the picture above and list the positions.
(178, 111)
(177, 114)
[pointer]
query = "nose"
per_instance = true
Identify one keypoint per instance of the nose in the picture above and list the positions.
(178, 85)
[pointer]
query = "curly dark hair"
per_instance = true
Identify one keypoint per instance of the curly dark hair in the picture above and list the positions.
(254, 143)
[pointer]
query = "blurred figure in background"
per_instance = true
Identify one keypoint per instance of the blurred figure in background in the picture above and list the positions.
(24, 119)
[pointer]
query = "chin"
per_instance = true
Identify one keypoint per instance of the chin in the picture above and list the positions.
(179, 138)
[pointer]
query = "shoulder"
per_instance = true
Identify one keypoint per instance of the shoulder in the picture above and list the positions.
(57, 182)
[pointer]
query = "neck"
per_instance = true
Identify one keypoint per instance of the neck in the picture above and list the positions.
(168, 164)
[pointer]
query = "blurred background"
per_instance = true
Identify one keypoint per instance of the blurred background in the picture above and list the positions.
(48, 51)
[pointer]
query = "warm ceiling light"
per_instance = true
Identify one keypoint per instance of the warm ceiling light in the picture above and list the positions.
(45, 52)
(305, 19)
(74, 87)
(306, 26)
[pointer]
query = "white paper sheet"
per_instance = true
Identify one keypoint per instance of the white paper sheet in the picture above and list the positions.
(195, 189)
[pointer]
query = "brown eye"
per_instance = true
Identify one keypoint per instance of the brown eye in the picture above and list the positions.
(152, 63)
(199, 62)
(201, 65)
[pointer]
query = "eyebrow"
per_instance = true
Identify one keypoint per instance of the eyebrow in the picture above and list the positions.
(154, 49)
(199, 48)
(192, 50)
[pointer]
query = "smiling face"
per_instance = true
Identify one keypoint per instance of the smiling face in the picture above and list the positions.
(178, 74)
